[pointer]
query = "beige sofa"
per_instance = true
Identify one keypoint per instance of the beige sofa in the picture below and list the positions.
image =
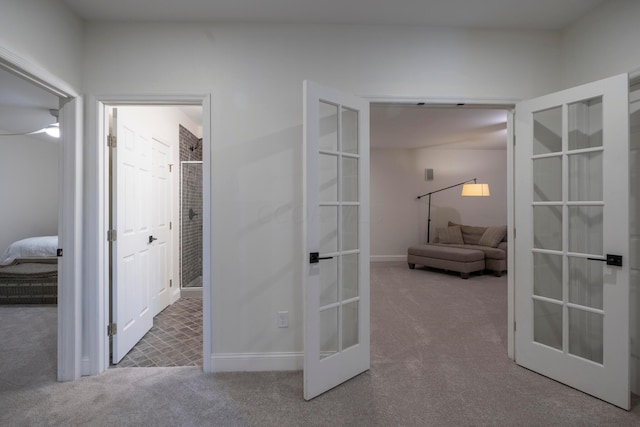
(464, 249)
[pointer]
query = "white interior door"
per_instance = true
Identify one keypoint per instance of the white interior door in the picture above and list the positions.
(572, 217)
(160, 216)
(133, 260)
(336, 264)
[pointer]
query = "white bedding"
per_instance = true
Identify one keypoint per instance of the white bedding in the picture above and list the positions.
(32, 247)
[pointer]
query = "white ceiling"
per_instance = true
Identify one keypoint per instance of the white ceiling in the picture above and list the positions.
(411, 126)
(530, 14)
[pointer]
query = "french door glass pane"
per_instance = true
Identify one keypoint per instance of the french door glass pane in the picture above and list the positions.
(586, 280)
(339, 185)
(328, 332)
(329, 282)
(547, 131)
(547, 179)
(349, 179)
(547, 323)
(328, 229)
(585, 229)
(585, 124)
(328, 175)
(547, 275)
(350, 325)
(349, 228)
(585, 176)
(547, 227)
(349, 131)
(350, 276)
(585, 334)
(328, 138)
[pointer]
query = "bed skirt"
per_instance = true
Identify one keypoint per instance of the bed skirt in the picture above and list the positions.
(29, 283)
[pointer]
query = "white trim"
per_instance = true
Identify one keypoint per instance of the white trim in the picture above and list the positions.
(388, 258)
(207, 221)
(511, 247)
(498, 103)
(85, 366)
(35, 74)
(190, 292)
(256, 362)
(70, 240)
(96, 256)
(97, 192)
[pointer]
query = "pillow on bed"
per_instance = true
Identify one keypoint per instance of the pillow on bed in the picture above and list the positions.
(32, 247)
(451, 235)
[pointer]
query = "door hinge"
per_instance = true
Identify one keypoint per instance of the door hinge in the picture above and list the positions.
(514, 233)
(170, 166)
(515, 326)
(514, 140)
(112, 329)
(111, 235)
(59, 252)
(112, 141)
(170, 283)
(170, 225)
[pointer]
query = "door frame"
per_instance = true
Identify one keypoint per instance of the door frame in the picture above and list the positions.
(507, 104)
(98, 209)
(70, 214)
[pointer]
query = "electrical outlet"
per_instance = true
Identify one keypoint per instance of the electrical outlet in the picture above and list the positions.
(283, 319)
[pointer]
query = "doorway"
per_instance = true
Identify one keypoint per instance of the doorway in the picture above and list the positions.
(28, 88)
(150, 323)
(30, 162)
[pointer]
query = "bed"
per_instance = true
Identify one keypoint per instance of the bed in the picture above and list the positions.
(29, 271)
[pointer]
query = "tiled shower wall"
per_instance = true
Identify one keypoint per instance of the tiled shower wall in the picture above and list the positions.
(191, 199)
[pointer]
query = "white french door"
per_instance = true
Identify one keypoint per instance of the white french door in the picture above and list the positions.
(336, 261)
(572, 223)
(133, 266)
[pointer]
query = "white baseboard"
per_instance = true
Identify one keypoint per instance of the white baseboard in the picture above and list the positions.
(388, 258)
(255, 362)
(190, 293)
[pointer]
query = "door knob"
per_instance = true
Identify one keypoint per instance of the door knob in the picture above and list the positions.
(151, 239)
(615, 260)
(314, 257)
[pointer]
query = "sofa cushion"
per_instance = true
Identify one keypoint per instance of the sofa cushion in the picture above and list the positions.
(489, 253)
(493, 236)
(457, 253)
(451, 235)
(470, 234)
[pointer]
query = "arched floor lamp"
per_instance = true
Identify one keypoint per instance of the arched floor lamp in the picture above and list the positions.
(470, 188)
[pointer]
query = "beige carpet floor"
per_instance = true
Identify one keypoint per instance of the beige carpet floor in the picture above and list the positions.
(438, 359)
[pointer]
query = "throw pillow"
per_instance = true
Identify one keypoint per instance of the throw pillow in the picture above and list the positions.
(450, 235)
(470, 234)
(493, 236)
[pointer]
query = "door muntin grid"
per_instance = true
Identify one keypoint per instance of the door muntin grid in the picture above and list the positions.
(339, 207)
(568, 217)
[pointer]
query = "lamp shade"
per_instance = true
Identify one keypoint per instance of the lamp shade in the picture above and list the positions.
(481, 190)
